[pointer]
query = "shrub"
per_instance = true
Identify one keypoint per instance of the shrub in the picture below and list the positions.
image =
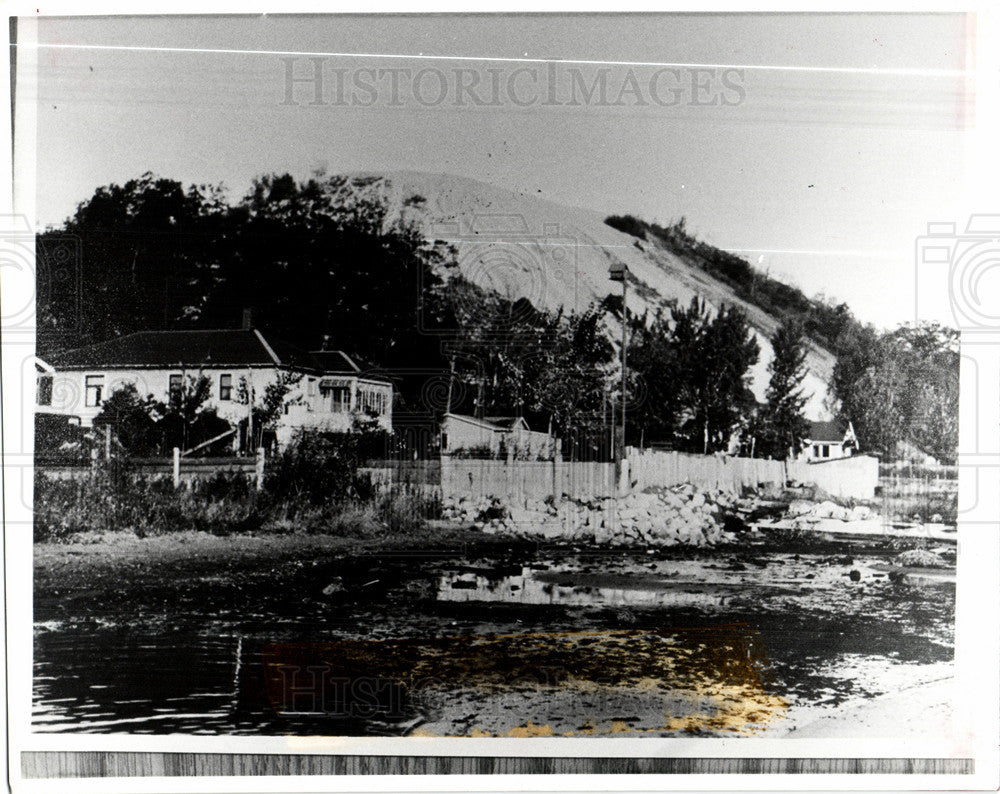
(318, 469)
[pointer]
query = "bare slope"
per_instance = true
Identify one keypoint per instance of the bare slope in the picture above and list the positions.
(522, 245)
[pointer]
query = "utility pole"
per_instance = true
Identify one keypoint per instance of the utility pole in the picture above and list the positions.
(250, 445)
(451, 381)
(619, 272)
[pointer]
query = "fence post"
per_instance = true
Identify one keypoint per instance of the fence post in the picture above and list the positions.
(259, 469)
(177, 467)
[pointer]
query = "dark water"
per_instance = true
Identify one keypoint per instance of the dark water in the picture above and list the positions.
(155, 660)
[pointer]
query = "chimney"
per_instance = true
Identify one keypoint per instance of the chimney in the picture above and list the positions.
(247, 319)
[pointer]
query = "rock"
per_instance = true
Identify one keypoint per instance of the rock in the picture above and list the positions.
(830, 509)
(855, 575)
(800, 507)
(860, 513)
(920, 558)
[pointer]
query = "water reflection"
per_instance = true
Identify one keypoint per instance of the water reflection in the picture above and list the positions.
(194, 666)
(532, 587)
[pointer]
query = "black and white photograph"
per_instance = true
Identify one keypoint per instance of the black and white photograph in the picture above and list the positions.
(502, 393)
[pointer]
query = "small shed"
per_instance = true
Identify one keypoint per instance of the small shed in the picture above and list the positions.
(829, 440)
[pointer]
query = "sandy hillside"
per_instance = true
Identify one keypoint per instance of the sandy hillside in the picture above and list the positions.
(523, 246)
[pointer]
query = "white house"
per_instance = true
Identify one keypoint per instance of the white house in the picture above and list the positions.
(327, 389)
(499, 435)
(828, 441)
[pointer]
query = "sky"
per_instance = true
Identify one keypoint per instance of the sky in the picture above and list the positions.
(821, 160)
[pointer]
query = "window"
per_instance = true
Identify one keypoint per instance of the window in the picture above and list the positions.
(826, 450)
(225, 387)
(43, 394)
(815, 450)
(373, 402)
(94, 389)
(176, 387)
(444, 441)
(339, 398)
(311, 387)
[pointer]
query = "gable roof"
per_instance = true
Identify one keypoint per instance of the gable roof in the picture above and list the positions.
(499, 424)
(507, 422)
(334, 361)
(833, 431)
(194, 349)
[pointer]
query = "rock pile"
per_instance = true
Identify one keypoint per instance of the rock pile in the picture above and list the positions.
(683, 515)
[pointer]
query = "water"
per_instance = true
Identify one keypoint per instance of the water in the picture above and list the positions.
(647, 635)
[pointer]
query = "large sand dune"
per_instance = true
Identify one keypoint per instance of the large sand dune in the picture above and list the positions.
(523, 246)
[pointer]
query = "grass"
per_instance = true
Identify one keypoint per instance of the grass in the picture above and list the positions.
(112, 499)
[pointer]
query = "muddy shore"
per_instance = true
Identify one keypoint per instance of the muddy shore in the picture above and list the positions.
(145, 634)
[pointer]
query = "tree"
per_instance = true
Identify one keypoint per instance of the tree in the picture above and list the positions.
(129, 416)
(146, 426)
(713, 358)
(146, 251)
(325, 257)
(184, 420)
(654, 359)
(932, 354)
(268, 405)
(782, 424)
(570, 381)
(901, 385)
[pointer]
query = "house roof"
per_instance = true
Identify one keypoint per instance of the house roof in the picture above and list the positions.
(497, 423)
(190, 349)
(507, 422)
(827, 431)
(334, 361)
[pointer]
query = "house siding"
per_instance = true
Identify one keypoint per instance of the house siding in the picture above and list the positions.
(305, 405)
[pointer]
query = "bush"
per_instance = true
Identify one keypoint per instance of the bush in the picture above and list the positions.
(318, 470)
(314, 486)
(57, 436)
(113, 498)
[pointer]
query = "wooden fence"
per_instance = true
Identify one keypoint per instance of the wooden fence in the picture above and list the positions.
(406, 478)
(518, 482)
(714, 472)
(178, 468)
(522, 481)
(855, 477)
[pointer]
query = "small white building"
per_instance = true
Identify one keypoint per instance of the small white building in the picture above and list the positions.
(828, 441)
(499, 436)
(326, 388)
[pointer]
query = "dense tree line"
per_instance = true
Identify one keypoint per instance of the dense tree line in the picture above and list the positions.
(695, 370)
(900, 386)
